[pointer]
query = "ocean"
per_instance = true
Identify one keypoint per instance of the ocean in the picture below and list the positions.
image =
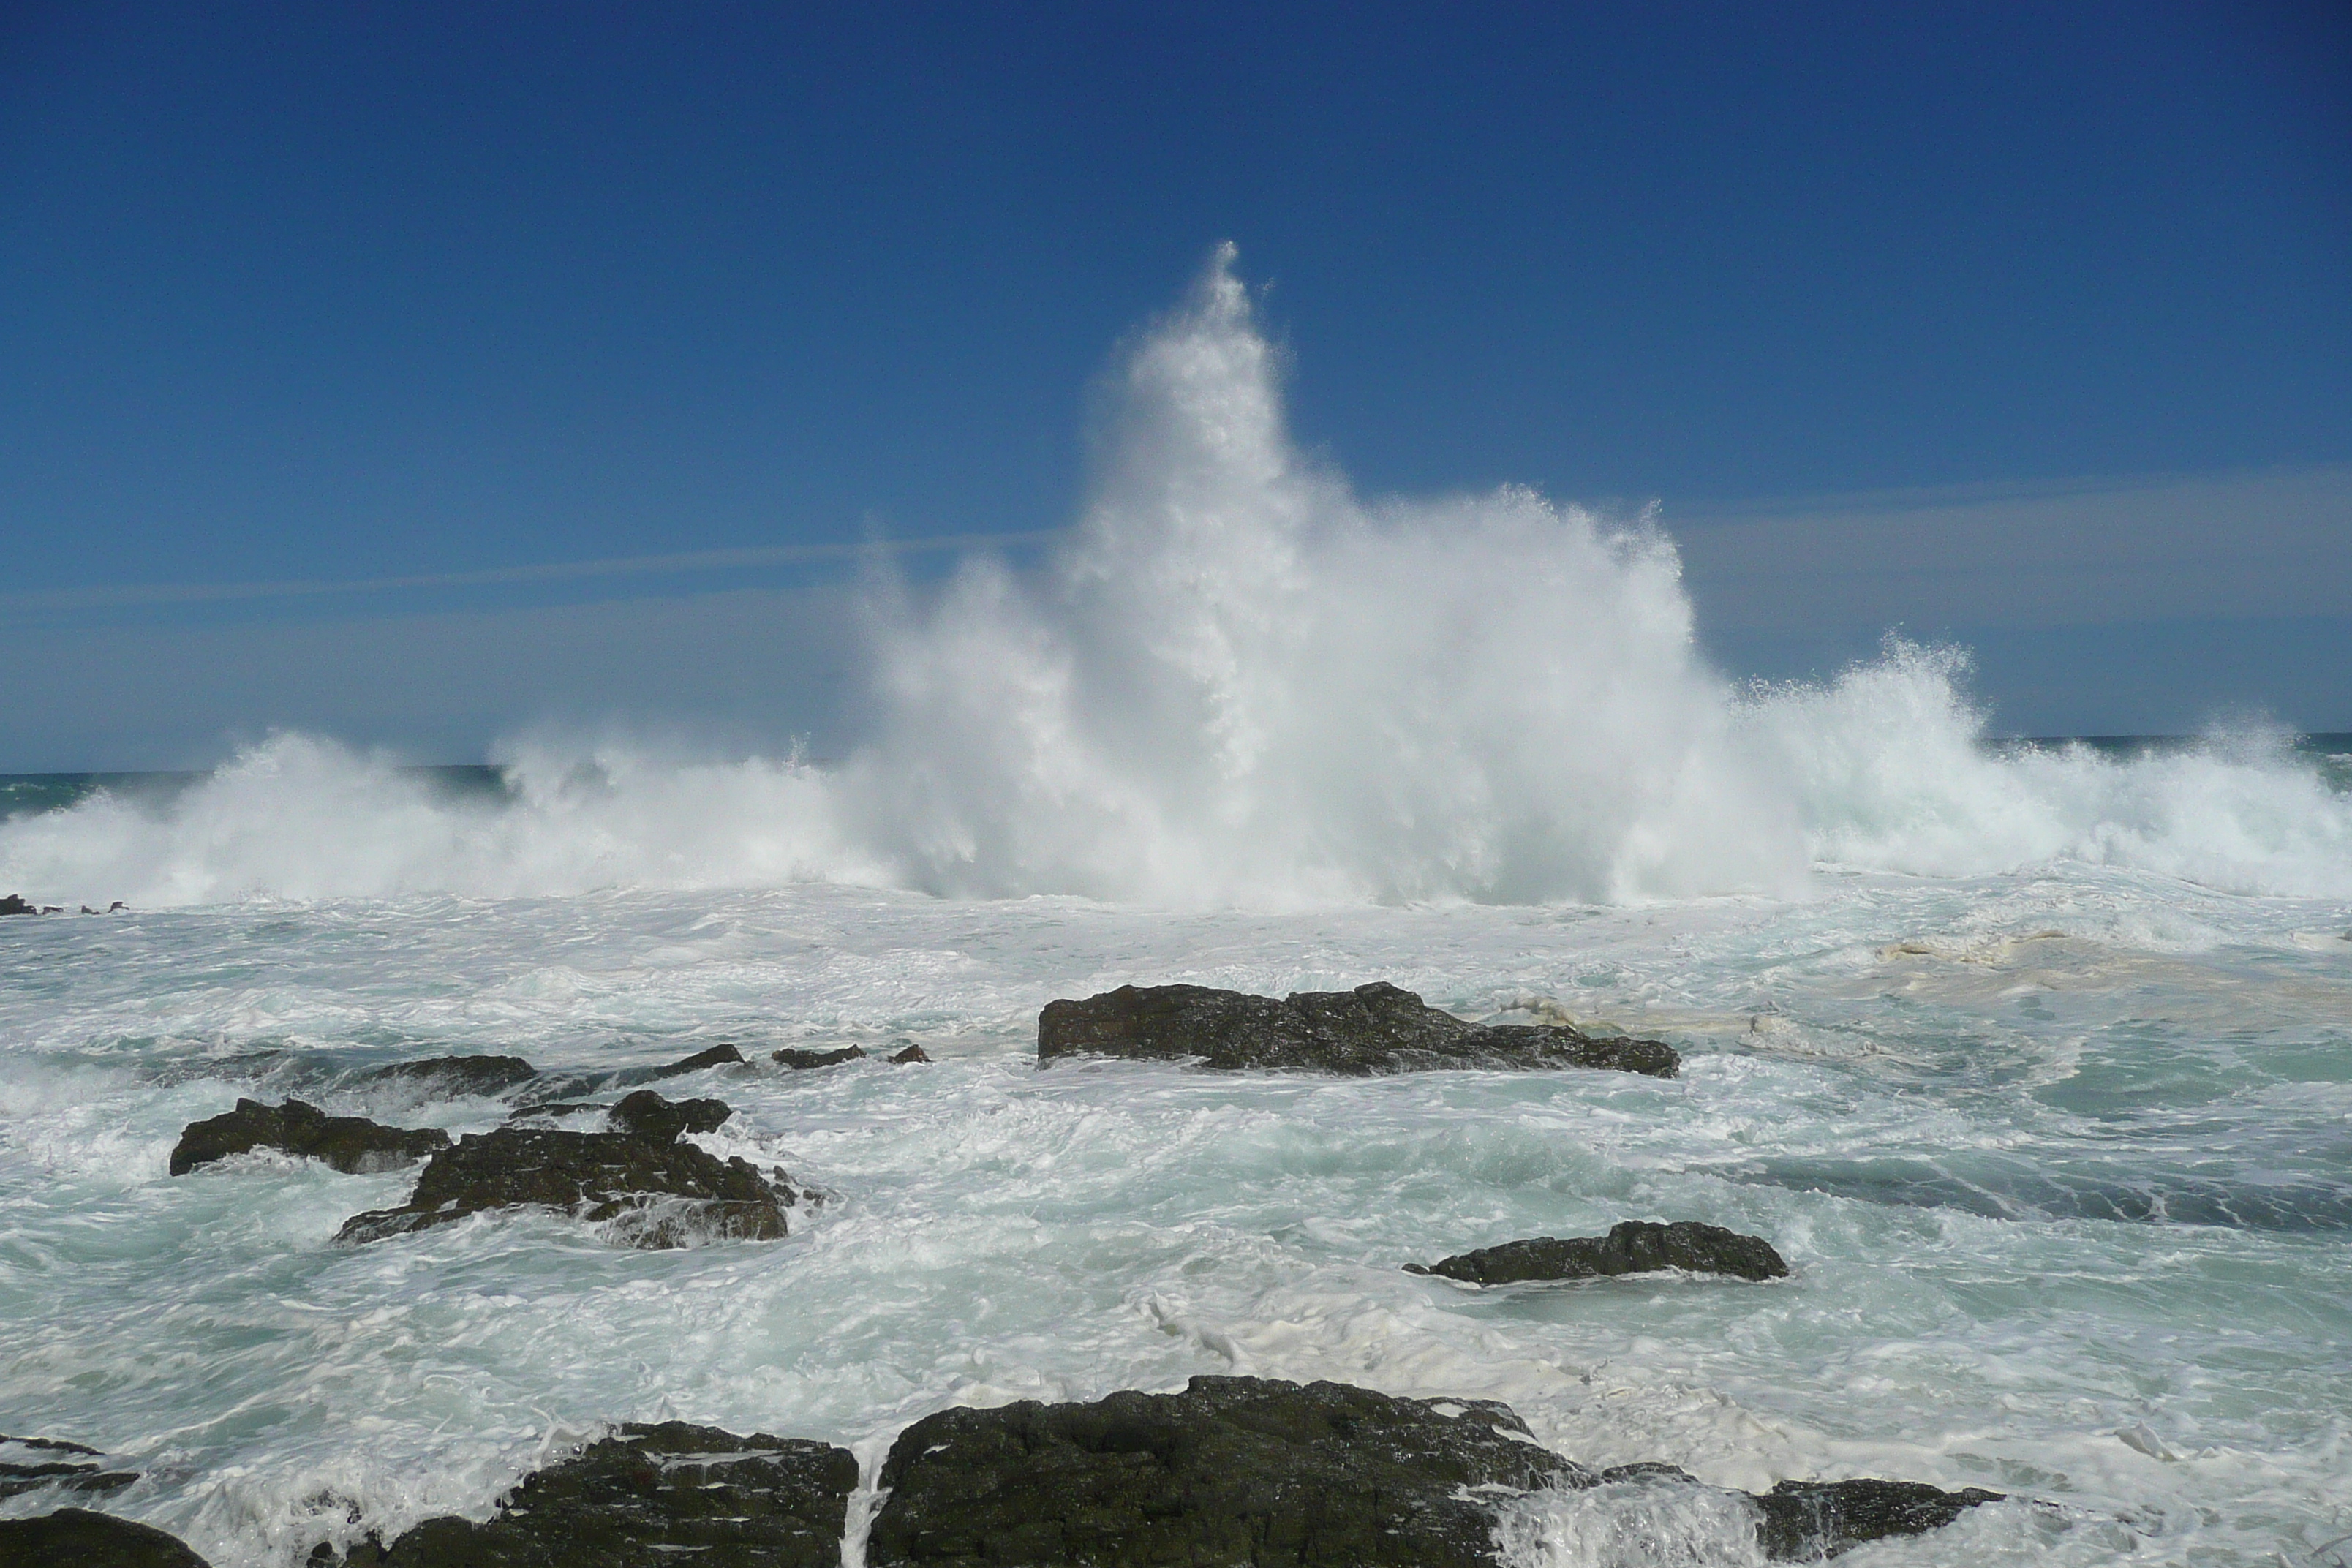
(2034, 1059)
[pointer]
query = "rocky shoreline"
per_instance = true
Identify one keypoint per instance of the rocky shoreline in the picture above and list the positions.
(1238, 1470)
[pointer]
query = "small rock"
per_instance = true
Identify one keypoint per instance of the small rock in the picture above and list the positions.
(802, 1060)
(910, 1055)
(651, 1495)
(1375, 1029)
(85, 1540)
(1807, 1521)
(28, 1464)
(1632, 1246)
(1232, 1470)
(716, 1056)
(659, 1195)
(486, 1076)
(351, 1144)
(645, 1114)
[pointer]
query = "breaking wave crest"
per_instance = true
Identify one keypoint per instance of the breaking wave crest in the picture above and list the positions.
(1242, 683)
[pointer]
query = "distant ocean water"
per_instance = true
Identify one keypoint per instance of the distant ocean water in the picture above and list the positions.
(2034, 1058)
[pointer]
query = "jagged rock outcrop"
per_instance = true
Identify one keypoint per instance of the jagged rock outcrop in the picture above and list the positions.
(16, 904)
(652, 1192)
(1632, 1246)
(650, 1495)
(28, 1464)
(1232, 1470)
(1375, 1029)
(645, 1114)
(351, 1144)
(910, 1057)
(452, 1076)
(716, 1056)
(76, 1538)
(802, 1060)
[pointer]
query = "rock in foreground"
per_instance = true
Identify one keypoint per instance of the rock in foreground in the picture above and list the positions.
(351, 1144)
(1375, 1029)
(655, 1194)
(652, 1495)
(1238, 1470)
(76, 1538)
(1632, 1246)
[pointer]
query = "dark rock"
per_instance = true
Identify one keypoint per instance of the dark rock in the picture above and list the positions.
(28, 1464)
(85, 1540)
(806, 1060)
(652, 1495)
(716, 1056)
(1632, 1246)
(911, 1055)
(1374, 1028)
(645, 1114)
(53, 909)
(487, 1076)
(661, 1195)
(347, 1143)
(1238, 1470)
(15, 904)
(118, 908)
(1812, 1519)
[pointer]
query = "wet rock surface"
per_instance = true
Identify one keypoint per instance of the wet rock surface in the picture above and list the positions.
(16, 904)
(651, 1495)
(76, 1538)
(645, 1114)
(351, 1143)
(800, 1061)
(452, 1076)
(1632, 1246)
(908, 1056)
(1232, 1470)
(1375, 1029)
(28, 1464)
(655, 1192)
(1811, 1520)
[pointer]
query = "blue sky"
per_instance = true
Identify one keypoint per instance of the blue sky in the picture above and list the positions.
(461, 297)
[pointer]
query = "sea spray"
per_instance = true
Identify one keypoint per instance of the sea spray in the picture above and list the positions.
(1238, 683)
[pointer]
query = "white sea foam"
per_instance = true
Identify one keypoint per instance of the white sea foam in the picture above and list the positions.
(1240, 683)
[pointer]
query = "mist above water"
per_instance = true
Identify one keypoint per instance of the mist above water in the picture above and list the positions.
(1240, 683)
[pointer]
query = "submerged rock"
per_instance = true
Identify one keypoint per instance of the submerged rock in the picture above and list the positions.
(1632, 1246)
(487, 1076)
(802, 1060)
(910, 1055)
(645, 1114)
(654, 1194)
(1375, 1029)
(650, 1495)
(28, 1464)
(716, 1056)
(351, 1144)
(1805, 1520)
(84, 1540)
(1232, 1470)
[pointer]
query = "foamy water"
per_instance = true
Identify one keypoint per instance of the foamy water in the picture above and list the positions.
(2035, 1064)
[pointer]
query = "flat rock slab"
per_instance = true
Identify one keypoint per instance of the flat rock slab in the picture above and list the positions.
(656, 1194)
(1805, 1520)
(651, 1496)
(351, 1144)
(28, 1464)
(76, 1538)
(1238, 1470)
(800, 1061)
(1632, 1246)
(1375, 1029)
(487, 1076)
